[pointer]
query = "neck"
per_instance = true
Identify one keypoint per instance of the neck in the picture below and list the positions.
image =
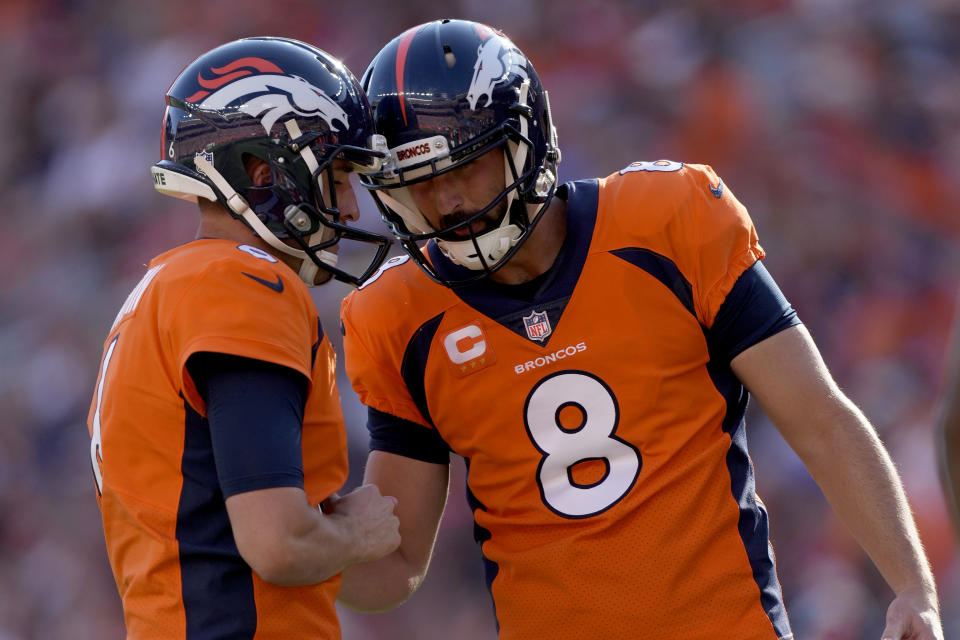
(540, 250)
(216, 222)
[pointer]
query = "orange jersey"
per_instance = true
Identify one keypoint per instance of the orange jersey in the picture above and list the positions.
(168, 536)
(602, 429)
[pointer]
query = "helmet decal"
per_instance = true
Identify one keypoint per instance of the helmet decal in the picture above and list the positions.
(274, 93)
(494, 65)
(402, 48)
(232, 71)
(206, 155)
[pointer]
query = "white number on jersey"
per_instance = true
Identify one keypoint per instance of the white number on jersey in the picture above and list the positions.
(659, 165)
(395, 261)
(129, 306)
(96, 451)
(564, 447)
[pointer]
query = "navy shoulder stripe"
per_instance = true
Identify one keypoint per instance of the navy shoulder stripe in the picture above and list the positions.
(414, 364)
(663, 269)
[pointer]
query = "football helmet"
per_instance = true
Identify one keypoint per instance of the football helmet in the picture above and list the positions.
(292, 106)
(442, 94)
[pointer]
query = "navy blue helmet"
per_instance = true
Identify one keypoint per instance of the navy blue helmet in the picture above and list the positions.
(442, 94)
(290, 105)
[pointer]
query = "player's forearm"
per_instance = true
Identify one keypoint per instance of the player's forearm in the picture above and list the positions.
(317, 550)
(861, 483)
(372, 587)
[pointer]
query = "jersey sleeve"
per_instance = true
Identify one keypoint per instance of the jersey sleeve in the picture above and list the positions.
(754, 310)
(724, 239)
(376, 378)
(231, 308)
(409, 439)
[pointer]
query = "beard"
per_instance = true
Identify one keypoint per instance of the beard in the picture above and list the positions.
(477, 227)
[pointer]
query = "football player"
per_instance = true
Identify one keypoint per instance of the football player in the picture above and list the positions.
(588, 348)
(215, 424)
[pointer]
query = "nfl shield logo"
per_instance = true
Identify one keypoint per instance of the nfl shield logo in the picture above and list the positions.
(206, 155)
(537, 325)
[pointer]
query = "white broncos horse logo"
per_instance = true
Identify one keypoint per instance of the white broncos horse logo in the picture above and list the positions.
(276, 93)
(494, 65)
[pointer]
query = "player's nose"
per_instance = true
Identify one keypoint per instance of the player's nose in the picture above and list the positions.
(447, 194)
(347, 203)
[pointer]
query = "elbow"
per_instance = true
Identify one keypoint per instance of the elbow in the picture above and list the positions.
(280, 573)
(274, 563)
(373, 588)
(374, 603)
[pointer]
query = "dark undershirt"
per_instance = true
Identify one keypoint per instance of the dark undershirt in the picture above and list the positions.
(525, 290)
(255, 415)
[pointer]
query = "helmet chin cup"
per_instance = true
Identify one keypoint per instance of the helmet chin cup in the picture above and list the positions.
(484, 251)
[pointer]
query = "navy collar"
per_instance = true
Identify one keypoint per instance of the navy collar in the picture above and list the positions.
(507, 304)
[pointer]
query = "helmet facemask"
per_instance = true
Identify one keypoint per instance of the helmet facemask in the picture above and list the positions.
(443, 94)
(523, 199)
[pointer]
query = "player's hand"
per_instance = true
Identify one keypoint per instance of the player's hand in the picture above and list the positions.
(911, 616)
(373, 525)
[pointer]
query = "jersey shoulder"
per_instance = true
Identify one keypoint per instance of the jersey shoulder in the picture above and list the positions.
(379, 321)
(214, 260)
(662, 188)
(687, 217)
(398, 296)
(647, 200)
(234, 277)
(233, 298)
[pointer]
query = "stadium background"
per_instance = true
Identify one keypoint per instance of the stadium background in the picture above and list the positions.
(837, 122)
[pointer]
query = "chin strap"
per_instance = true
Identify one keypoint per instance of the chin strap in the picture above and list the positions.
(519, 151)
(308, 269)
(240, 207)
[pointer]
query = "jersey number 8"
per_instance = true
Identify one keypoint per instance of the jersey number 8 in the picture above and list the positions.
(584, 397)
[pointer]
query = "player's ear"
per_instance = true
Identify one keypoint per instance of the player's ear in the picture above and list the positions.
(258, 170)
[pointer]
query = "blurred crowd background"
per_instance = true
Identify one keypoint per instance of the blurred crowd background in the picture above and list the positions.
(837, 123)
